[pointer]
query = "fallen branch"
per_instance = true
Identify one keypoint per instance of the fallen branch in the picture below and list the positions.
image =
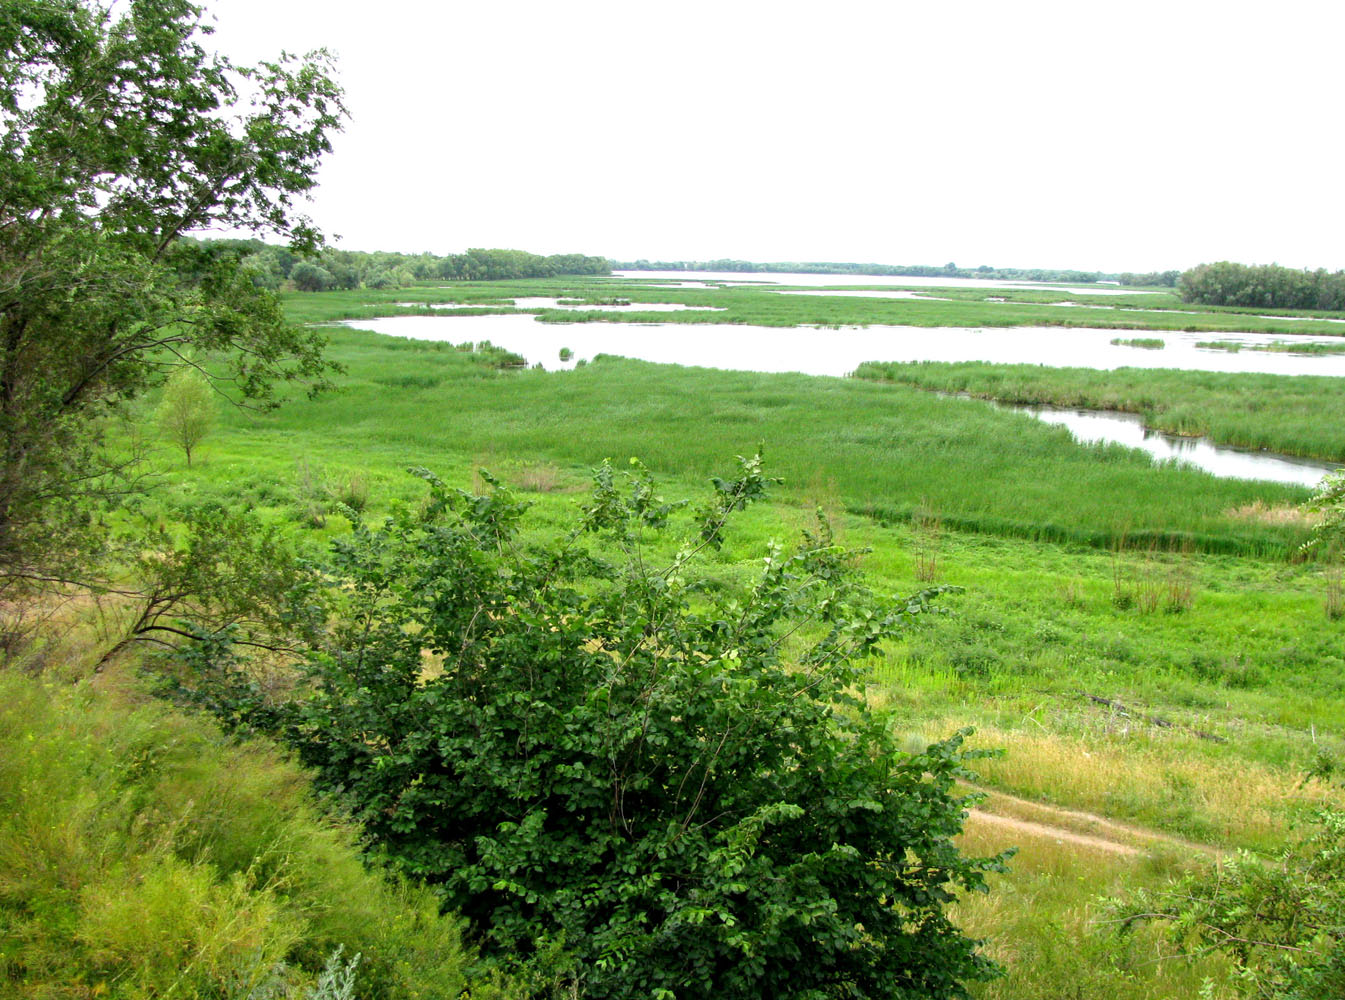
(1153, 720)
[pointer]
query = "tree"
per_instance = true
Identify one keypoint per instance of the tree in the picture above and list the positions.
(311, 278)
(187, 411)
(121, 133)
(585, 747)
(1282, 923)
(1329, 501)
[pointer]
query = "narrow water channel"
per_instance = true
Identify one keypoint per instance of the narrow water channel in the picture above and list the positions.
(1104, 426)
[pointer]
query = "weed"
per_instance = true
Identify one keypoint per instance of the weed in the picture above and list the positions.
(926, 527)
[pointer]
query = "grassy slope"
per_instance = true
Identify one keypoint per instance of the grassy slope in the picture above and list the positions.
(145, 854)
(1231, 645)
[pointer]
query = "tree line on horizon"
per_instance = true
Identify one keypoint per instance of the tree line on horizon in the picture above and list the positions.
(1265, 286)
(949, 270)
(271, 267)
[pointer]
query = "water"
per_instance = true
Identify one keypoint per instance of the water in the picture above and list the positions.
(1090, 426)
(839, 352)
(546, 302)
(769, 278)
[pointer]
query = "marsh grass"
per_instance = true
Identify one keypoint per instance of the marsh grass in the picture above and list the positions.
(1300, 347)
(1263, 512)
(885, 447)
(766, 307)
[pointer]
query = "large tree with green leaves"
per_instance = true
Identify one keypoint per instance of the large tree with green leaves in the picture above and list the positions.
(122, 132)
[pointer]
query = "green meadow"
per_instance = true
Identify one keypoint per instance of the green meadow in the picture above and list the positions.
(1141, 641)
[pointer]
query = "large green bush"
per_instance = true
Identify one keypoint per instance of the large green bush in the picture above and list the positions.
(683, 791)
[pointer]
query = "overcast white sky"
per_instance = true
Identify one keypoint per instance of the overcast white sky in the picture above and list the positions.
(1116, 136)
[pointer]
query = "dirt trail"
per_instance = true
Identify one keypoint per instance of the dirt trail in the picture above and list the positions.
(1022, 827)
(1026, 818)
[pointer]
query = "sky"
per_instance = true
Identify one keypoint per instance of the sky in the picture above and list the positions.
(1138, 136)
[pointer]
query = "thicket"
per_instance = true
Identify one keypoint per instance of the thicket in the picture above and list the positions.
(1282, 922)
(950, 270)
(1162, 279)
(1267, 286)
(121, 131)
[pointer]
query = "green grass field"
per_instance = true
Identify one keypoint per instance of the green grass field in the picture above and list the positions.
(1137, 639)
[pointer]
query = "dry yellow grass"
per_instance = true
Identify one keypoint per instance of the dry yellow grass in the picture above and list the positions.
(1144, 777)
(1047, 922)
(1260, 512)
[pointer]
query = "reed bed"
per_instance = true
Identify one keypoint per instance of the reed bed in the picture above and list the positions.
(759, 306)
(887, 448)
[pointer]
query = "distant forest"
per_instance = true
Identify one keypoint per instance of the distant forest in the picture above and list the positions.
(1267, 286)
(950, 270)
(273, 266)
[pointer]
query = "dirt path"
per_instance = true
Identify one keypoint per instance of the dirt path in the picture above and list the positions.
(1025, 818)
(1026, 828)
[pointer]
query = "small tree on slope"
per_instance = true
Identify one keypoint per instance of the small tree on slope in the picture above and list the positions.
(187, 410)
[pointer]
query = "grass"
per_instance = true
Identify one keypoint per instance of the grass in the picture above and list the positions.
(142, 853)
(1047, 923)
(1088, 574)
(1147, 343)
(1300, 415)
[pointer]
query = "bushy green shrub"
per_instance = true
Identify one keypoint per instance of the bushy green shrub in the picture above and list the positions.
(594, 759)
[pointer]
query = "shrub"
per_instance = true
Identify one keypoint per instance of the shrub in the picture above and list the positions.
(1282, 922)
(584, 752)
